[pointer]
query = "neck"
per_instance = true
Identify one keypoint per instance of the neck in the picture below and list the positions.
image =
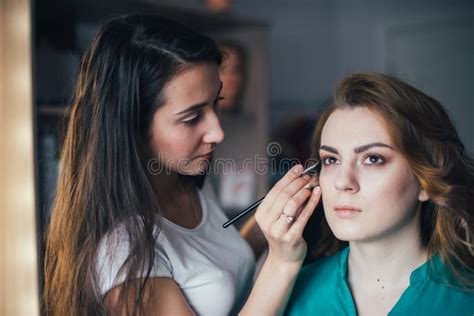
(391, 258)
(177, 199)
(166, 184)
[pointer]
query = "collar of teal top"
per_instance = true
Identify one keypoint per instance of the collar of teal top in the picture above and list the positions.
(418, 275)
(343, 261)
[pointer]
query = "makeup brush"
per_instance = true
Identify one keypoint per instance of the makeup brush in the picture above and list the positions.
(309, 170)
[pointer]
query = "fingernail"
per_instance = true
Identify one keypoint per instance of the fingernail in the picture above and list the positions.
(306, 177)
(298, 169)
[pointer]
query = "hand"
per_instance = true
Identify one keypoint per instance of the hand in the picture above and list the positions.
(284, 212)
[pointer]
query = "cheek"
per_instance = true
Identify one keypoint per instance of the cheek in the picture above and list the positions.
(328, 191)
(327, 178)
(324, 178)
(398, 189)
(172, 142)
(377, 190)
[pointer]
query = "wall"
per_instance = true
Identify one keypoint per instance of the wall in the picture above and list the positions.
(18, 266)
(312, 44)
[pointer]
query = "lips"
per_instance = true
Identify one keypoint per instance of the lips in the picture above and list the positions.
(346, 211)
(346, 208)
(207, 156)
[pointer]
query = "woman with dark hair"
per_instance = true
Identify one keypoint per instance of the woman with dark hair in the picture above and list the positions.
(398, 194)
(134, 228)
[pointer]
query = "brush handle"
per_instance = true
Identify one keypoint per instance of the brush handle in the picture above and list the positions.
(243, 213)
(256, 204)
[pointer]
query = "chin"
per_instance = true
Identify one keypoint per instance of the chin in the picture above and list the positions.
(194, 168)
(347, 231)
(357, 233)
(193, 173)
(347, 236)
(198, 170)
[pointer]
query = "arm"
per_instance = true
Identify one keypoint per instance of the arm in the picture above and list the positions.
(287, 247)
(165, 299)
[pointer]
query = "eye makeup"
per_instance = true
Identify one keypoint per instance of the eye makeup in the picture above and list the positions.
(194, 119)
(329, 155)
(368, 159)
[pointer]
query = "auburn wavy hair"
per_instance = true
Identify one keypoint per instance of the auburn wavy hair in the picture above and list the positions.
(422, 131)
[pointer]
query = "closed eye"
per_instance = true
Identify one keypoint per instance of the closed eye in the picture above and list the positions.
(192, 120)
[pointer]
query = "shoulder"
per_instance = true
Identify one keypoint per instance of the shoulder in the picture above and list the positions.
(436, 292)
(114, 251)
(444, 280)
(433, 297)
(118, 238)
(169, 300)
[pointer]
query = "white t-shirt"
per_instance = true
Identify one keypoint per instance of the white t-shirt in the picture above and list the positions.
(212, 266)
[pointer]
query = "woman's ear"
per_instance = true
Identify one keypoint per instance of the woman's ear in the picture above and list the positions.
(423, 196)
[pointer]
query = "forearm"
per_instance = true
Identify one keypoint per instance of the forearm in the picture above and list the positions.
(282, 216)
(272, 288)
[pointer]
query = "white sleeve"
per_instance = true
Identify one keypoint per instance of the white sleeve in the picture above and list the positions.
(112, 252)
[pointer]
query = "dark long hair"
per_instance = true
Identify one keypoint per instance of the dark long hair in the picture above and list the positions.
(104, 181)
(421, 131)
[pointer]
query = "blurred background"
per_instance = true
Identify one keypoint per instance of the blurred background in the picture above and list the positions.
(284, 59)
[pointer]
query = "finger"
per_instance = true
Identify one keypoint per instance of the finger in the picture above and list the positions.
(285, 196)
(279, 228)
(262, 214)
(285, 218)
(314, 182)
(288, 178)
(300, 222)
(296, 202)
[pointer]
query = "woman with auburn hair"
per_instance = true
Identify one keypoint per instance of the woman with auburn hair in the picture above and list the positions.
(397, 187)
(134, 229)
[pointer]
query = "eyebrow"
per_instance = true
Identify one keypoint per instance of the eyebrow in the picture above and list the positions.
(357, 150)
(196, 106)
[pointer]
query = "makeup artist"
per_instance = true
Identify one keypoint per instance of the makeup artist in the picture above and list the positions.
(135, 228)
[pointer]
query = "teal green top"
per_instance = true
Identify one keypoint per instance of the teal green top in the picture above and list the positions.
(322, 289)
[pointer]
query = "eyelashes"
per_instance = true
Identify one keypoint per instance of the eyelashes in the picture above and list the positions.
(370, 159)
(193, 120)
(328, 160)
(374, 160)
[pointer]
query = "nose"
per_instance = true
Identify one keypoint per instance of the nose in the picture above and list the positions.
(214, 133)
(346, 179)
